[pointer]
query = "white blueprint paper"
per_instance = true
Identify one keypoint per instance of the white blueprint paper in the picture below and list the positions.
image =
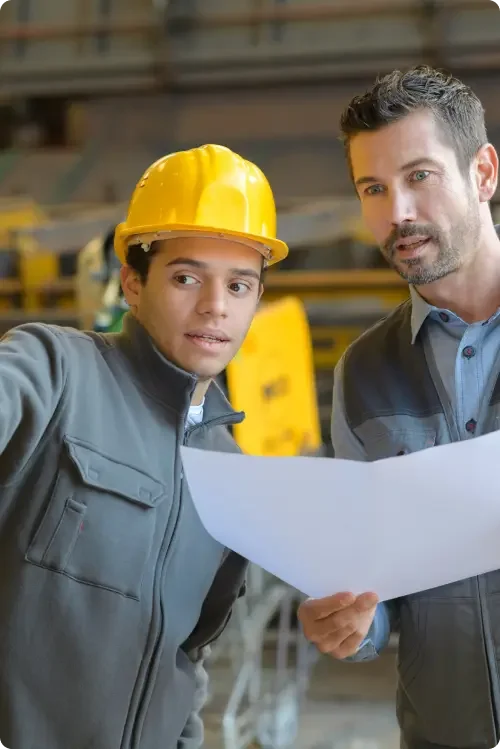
(394, 527)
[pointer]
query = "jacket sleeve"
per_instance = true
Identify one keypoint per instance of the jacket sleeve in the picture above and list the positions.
(193, 735)
(377, 638)
(228, 586)
(348, 447)
(32, 378)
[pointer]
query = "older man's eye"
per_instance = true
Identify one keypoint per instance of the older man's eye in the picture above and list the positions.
(374, 190)
(421, 175)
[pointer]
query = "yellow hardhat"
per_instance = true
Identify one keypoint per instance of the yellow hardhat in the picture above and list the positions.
(207, 191)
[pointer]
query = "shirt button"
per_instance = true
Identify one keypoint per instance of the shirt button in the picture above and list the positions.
(471, 426)
(469, 352)
(444, 317)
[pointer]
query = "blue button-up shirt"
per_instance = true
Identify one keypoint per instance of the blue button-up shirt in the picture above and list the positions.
(465, 355)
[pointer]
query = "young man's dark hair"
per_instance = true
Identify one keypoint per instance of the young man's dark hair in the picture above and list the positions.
(139, 260)
(455, 106)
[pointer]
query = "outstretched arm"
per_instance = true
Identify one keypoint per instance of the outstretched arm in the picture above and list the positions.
(32, 380)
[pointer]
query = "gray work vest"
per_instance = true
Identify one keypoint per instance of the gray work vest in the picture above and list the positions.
(449, 650)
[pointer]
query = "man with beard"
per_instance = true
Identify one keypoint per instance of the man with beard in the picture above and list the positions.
(428, 374)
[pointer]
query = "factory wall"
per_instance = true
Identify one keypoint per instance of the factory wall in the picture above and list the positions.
(109, 45)
(292, 133)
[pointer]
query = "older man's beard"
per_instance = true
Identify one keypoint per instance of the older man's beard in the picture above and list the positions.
(452, 249)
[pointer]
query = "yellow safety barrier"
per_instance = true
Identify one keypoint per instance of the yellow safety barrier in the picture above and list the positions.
(272, 379)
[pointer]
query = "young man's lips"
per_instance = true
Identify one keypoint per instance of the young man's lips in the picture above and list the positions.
(208, 341)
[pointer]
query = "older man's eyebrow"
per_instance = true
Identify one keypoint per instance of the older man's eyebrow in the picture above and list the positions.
(420, 161)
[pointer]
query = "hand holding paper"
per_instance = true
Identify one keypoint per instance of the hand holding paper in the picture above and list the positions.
(394, 527)
(338, 624)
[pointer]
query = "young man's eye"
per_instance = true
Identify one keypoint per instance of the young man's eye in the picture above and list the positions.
(238, 288)
(185, 280)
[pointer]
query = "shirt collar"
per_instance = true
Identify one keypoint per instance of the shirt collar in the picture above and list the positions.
(421, 310)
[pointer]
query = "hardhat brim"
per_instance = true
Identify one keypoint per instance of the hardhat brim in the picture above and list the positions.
(274, 250)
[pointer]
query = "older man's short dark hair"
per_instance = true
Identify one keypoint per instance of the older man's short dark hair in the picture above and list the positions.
(456, 108)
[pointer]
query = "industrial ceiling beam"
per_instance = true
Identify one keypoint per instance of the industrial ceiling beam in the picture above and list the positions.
(45, 32)
(479, 55)
(349, 11)
(434, 22)
(352, 11)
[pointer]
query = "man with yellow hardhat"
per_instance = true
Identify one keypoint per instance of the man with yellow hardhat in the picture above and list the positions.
(111, 588)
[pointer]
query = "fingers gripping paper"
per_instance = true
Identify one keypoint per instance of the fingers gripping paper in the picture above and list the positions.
(395, 526)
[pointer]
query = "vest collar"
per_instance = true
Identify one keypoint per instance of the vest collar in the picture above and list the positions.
(420, 310)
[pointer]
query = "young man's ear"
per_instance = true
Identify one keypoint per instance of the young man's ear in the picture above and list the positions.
(131, 285)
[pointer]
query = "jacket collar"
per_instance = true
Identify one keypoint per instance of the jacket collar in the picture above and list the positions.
(164, 380)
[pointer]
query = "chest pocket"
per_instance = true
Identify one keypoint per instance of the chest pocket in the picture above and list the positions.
(393, 442)
(99, 524)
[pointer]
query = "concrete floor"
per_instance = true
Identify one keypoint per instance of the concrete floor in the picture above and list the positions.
(348, 706)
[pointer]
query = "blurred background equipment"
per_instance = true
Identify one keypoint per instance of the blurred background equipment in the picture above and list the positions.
(100, 296)
(91, 93)
(272, 380)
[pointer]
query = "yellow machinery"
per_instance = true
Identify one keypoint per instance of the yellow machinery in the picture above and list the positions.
(39, 259)
(272, 380)
(15, 214)
(48, 264)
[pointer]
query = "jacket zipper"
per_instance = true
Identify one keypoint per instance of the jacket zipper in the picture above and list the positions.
(141, 710)
(156, 650)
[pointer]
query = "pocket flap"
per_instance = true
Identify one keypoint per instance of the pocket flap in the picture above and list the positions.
(111, 475)
(390, 443)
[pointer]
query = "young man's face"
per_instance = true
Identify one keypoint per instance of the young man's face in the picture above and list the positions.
(424, 213)
(199, 300)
